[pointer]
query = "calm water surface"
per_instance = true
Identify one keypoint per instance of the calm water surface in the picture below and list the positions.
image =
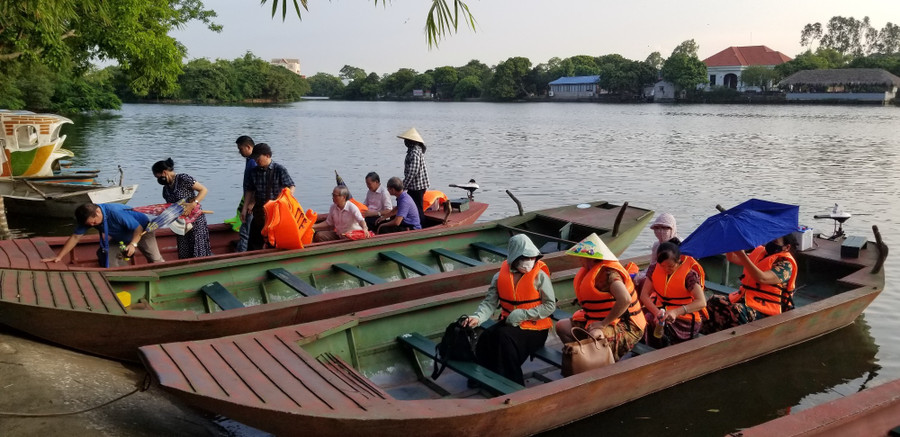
(678, 159)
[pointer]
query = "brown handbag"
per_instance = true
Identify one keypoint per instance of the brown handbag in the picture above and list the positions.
(583, 355)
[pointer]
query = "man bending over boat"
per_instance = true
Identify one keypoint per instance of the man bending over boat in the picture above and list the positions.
(523, 291)
(116, 223)
(767, 286)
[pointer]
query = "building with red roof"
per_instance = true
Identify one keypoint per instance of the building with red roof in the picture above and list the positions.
(724, 68)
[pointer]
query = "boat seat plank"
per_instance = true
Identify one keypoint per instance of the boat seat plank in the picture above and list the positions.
(254, 373)
(299, 285)
(719, 288)
(80, 299)
(490, 248)
(17, 259)
(221, 296)
(358, 273)
(32, 256)
(462, 259)
(407, 262)
(492, 381)
(97, 282)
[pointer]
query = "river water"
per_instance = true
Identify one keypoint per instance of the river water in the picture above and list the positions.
(678, 159)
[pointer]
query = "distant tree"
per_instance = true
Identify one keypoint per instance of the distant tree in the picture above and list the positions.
(759, 76)
(890, 63)
(326, 85)
(445, 79)
(284, 85)
(851, 37)
(250, 76)
(468, 87)
(811, 33)
(888, 40)
(369, 87)
(474, 68)
(823, 58)
(655, 60)
(424, 82)
(351, 73)
(397, 83)
(508, 81)
(203, 80)
(687, 47)
(684, 71)
(581, 65)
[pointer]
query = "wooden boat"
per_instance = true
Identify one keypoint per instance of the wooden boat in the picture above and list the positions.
(261, 291)
(26, 253)
(354, 374)
(54, 199)
(871, 412)
(30, 143)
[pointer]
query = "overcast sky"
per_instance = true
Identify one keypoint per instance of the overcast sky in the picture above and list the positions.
(384, 39)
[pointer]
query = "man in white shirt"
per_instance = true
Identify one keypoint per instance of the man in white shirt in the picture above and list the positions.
(377, 199)
(343, 217)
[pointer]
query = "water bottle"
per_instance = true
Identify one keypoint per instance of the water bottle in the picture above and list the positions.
(660, 324)
(124, 249)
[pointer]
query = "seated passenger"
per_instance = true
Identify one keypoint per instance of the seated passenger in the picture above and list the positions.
(609, 302)
(523, 291)
(767, 286)
(343, 217)
(378, 200)
(664, 229)
(404, 216)
(673, 292)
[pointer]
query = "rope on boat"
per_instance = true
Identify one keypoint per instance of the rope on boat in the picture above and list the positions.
(882, 250)
(145, 384)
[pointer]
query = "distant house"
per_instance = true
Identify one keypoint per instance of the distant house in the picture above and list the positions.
(843, 84)
(290, 64)
(575, 87)
(724, 68)
(661, 92)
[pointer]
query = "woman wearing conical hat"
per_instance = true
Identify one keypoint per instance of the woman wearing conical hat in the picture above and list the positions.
(415, 174)
(609, 303)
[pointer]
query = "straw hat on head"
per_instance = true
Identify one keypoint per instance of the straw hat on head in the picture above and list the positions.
(413, 135)
(592, 247)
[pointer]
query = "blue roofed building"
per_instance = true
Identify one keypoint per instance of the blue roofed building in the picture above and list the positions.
(575, 87)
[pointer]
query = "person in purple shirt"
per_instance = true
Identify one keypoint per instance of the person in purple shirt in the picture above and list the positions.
(404, 216)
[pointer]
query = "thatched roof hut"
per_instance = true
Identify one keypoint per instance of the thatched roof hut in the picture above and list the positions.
(842, 76)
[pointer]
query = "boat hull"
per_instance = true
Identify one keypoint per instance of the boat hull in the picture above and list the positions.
(57, 200)
(228, 376)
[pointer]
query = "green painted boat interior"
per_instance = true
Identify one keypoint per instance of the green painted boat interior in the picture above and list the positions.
(324, 270)
(372, 346)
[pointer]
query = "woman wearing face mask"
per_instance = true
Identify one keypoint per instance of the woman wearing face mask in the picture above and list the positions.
(767, 286)
(664, 229)
(673, 295)
(524, 293)
(609, 302)
(194, 243)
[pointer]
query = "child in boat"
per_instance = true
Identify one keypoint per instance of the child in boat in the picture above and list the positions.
(523, 291)
(767, 286)
(608, 299)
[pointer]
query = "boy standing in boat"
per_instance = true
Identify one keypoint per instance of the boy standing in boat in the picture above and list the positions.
(265, 183)
(117, 223)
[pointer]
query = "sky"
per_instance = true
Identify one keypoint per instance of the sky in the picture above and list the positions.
(383, 39)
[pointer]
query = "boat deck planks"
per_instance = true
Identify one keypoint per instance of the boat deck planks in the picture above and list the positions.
(14, 256)
(30, 252)
(88, 291)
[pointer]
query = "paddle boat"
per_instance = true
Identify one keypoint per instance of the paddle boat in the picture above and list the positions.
(366, 372)
(111, 313)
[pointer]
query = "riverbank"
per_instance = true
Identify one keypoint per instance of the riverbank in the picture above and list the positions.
(37, 378)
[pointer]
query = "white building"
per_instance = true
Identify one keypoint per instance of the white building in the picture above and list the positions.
(290, 64)
(724, 68)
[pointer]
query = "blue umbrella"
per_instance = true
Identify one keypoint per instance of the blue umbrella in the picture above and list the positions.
(748, 225)
(166, 217)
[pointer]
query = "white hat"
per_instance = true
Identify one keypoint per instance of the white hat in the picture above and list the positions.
(592, 247)
(413, 135)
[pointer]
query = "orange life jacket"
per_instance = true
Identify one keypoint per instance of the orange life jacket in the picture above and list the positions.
(432, 196)
(669, 291)
(766, 298)
(362, 206)
(286, 224)
(596, 304)
(523, 295)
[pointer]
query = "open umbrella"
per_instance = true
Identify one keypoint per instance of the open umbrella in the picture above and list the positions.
(748, 225)
(166, 213)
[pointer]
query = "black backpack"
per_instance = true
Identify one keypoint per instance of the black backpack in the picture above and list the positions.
(458, 344)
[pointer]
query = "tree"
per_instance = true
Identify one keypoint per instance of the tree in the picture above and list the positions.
(284, 85)
(468, 87)
(396, 84)
(846, 35)
(688, 47)
(441, 18)
(351, 73)
(508, 81)
(67, 35)
(445, 79)
(686, 72)
(203, 81)
(759, 76)
(655, 60)
(888, 41)
(810, 34)
(822, 58)
(326, 85)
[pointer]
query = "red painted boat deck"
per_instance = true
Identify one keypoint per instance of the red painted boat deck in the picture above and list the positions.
(79, 291)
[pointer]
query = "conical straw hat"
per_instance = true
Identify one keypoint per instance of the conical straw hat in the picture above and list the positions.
(592, 247)
(412, 134)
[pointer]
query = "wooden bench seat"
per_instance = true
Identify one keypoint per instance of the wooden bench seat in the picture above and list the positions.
(299, 285)
(221, 296)
(490, 248)
(462, 259)
(358, 273)
(490, 380)
(408, 262)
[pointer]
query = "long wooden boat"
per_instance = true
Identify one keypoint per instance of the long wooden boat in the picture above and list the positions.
(55, 199)
(211, 299)
(26, 253)
(353, 374)
(871, 412)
